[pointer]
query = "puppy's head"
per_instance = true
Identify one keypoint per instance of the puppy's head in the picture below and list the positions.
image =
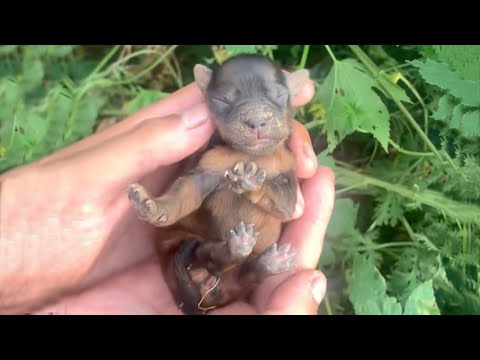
(250, 101)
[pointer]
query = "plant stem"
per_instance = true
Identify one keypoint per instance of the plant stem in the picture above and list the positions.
(408, 152)
(451, 208)
(312, 124)
(370, 65)
(375, 72)
(331, 53)
(105, 60)
(303, 61)
(370, 161)
(408, 228)
(380, 246)
(348, 188)
(149, 68)
(422, 103)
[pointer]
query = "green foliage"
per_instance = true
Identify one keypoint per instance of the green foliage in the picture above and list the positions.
(399, 125)
(352, 104)
(460, 106)
(143, 98)
(464, 59)
(241, 49)
(368, 290)
(368, 293)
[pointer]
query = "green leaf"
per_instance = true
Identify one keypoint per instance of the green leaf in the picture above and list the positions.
(457, 114)
(422, 301)
(144, 98)
(59, 50)
(343, 219)
(84, 122)
(389, 210)
(328, 257)
(323, 159)
(445, 108)
(367, 290)
(464, 59)
(355, 242)
(7, 49)
(32, 74)
(393, 88)
(471, 123)
(467, 122)
(241, 49)
(35, 126)
(439, 74)
(352, 104)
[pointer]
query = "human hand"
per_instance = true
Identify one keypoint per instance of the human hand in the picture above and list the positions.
(70, 220)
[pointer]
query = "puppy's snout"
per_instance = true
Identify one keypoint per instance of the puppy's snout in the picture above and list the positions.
(255, 123)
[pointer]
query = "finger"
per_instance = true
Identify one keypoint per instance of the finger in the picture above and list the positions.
(300, 294)
(237, 308)
(301, 145)
(306, 233)
(155, 143)
(175, 103)
(300, 205)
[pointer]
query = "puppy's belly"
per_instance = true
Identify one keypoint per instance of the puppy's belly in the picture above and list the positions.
(227, 209)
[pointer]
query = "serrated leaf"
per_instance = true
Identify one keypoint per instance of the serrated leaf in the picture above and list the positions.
(439, 74)
(445, 108)
(355, 242)
(457, 114)
(471, 123)
(343, 219)
(422, 301)
(462, 58)
(367, 290)
(389, 210)
(144, 98)
(352, 104)
(241, 49)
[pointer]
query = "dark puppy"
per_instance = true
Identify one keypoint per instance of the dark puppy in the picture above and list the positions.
(234, 201)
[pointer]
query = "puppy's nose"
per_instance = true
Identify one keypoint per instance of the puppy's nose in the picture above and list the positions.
(256, 123)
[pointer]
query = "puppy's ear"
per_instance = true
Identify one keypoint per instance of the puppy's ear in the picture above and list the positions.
(202, 75)
(296, 81)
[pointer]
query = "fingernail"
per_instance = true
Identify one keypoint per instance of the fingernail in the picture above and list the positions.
(308, 151)
(195, 116)
(319, 287)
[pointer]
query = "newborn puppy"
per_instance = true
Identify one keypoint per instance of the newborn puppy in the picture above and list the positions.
(232, 203)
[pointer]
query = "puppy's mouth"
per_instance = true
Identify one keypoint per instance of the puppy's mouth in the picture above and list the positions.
(259, 146)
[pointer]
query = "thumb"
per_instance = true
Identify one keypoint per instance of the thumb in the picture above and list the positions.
(153, 143)
(300, 294)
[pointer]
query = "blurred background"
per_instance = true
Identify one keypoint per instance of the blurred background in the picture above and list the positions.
(398, 124)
